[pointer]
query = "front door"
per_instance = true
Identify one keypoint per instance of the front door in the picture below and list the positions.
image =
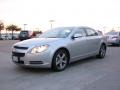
(78, 45)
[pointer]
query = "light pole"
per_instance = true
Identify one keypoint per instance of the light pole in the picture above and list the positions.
(24, 26)
(51, 23)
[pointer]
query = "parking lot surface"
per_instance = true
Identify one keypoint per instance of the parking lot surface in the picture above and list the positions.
(88, 74)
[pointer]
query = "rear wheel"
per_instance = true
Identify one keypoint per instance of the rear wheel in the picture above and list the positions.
(102, 51)
(60, 60)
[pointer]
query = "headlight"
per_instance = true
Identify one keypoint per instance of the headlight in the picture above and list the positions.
(39, 49)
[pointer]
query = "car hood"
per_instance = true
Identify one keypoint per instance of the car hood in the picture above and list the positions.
(36, 41)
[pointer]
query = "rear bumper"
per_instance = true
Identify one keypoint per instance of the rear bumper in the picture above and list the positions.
(113, 42)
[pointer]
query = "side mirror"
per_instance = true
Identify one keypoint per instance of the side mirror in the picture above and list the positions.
(76, 36)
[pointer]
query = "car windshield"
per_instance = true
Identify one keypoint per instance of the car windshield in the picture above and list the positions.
(57, 33)
(112, 33)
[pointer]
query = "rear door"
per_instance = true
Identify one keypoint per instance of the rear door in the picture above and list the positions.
(93, 40)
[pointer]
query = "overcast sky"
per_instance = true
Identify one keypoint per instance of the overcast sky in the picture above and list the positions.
(37, 13)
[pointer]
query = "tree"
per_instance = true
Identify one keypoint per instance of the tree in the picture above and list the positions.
(13, 28)
(1, 27)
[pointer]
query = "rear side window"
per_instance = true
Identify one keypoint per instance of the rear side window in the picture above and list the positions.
(91, 32)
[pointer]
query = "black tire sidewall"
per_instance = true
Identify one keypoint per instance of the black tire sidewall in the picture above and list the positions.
(100, 55)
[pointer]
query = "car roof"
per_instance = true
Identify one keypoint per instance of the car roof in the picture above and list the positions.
(76, 27)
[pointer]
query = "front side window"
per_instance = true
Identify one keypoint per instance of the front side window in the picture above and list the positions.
(57, 33)
(81, 32)
(91, 32)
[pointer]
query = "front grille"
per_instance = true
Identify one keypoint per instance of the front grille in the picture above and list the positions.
(18, 54)
(18, 47)
(36, 62)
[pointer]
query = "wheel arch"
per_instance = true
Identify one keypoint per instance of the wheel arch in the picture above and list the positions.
(63, 48)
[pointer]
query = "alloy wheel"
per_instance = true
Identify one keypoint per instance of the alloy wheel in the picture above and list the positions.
(60, 60)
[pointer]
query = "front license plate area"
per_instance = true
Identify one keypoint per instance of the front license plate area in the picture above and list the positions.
(15, 59)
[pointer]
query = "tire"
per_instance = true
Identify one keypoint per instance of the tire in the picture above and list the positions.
(102, 51)
(60, 60)
(21, 39)
(119, 44)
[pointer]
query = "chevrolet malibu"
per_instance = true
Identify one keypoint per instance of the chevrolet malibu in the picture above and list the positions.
(58, 47)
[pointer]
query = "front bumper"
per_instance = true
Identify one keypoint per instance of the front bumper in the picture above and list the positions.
(42, 59)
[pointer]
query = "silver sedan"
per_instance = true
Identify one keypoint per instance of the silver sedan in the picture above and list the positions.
(113, 37)
(58, 47)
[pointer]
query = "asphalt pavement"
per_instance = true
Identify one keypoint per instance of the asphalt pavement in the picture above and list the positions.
(88, 74)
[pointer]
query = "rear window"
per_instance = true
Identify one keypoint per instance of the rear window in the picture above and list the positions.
(23, 32)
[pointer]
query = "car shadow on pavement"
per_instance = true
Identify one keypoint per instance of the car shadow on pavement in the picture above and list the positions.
(32, 70)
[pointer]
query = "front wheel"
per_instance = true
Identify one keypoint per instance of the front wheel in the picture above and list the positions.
(60, 60)
(102, 52)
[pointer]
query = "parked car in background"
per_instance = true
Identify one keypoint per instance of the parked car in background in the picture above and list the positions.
(113, 38)
(15, 36)
(58, 47)
(1, 38)
(5, 36)
(26, 35)
(8, 36)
